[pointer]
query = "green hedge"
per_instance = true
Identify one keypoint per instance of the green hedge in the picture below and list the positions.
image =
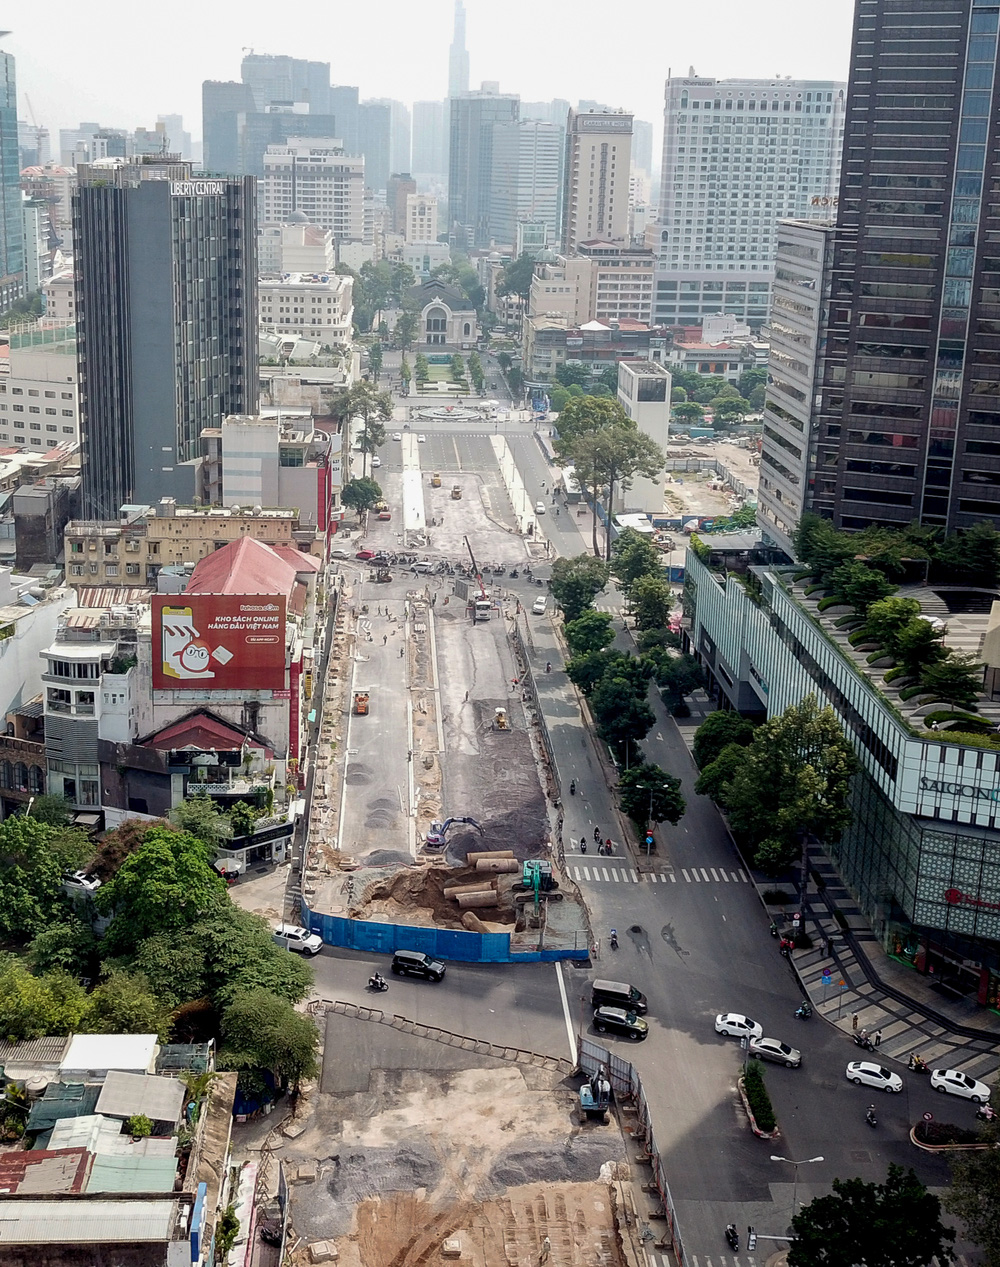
(756, 1093)
(833, 601)
(859, 636)
(967, 740)
(944, 714)
(801, 576)
(880, 654)
(909, 692)
(893, 674)
(811, 589)
(843, 621)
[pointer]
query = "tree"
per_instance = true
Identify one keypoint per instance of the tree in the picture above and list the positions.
(570, 374)
(727, 409)
(860, 586)
(751, 379)
(794, 779)
(375, 360)
(622, 716)
(648, 794)
(757, 398)
(971, 557)
(591, 631)
(678, 396)
(457, 367)
(974, 1196)
(515, 381)
(373, 407)
(919, 644)
(405, 373)
(403, 279)
(633, 555)
(421, 367)
(623, 451)
(69, 945)
(405, 329)
(892, 1224)
(956, 679)
(361, 495)
(690, 412)
(886, 618)
(585, 671)
(677, 676)
(124, 1004)
(651, 600)
(54, 810)
(576, 582)
(516, 277)
(33, 857)
(717, 776)
(609, 377)
(200, 816)
(558, 398)
(166, 884)
(265, 1033)
(32, 1006)
(716, 732)
(476, 376)
(504, 361)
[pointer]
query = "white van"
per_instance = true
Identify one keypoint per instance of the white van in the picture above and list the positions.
(538, 606)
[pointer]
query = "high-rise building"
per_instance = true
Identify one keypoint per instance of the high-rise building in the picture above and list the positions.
(738, 156)
(375, 142)
(278, 78)
(224, 107)
(458, 58)
(907, 427)
(596, 176)
(421, 218)
(344, 108)
(166, 309)
(401, 185)
(11, 222)
(178, 141)
(316, 178)
(527, 177)
(556, 111)
(33, 143)
(470, 161)
(429, 161)
(642, 145)
(277, 126)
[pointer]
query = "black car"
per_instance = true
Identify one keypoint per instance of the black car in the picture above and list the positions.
(414, 963)
(615, 1020)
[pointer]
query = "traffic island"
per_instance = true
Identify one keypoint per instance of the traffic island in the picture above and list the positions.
(944, 1137)
(756, 1101)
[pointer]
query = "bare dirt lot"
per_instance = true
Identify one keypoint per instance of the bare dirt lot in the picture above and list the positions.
(417, 1142)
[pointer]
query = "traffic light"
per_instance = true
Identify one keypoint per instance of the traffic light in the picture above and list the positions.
(751, 1237)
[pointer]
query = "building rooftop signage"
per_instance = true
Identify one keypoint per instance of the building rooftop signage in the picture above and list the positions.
(188, 188)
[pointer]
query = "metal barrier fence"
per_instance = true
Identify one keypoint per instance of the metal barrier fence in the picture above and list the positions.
(627, 1086)
(444, 943)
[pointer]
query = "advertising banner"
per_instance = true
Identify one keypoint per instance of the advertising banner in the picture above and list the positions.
(224, 642)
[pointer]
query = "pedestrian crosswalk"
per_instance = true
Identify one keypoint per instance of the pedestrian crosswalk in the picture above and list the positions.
(604, 873)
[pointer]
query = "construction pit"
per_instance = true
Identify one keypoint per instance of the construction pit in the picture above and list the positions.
(413, 1151)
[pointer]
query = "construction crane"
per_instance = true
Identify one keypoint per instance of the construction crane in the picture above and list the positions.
(482, 608)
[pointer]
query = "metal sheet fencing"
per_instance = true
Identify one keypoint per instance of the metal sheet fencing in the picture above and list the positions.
(443, 943)
(627, 1086)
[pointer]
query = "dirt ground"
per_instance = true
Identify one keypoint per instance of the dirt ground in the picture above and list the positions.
(495, 1157)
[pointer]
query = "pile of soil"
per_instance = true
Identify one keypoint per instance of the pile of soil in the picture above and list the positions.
(399, 897)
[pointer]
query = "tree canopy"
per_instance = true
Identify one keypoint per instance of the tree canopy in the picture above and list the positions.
(515, 279)
(263, 1032)
(974, 1196)
(576, 582)
(361, 494)
(633, 555)
(591, 631)
(716, 732)
(648, 794)
(892, 1224)
(33, 857)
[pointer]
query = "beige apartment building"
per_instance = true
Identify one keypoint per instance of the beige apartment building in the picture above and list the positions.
(596, 177)
(421, 218)
(148, 538)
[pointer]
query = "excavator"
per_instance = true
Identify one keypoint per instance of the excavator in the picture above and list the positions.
(436, 836)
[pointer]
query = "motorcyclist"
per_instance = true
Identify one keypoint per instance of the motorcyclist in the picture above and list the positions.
(870, 1115)
(548, 666)
(572, 787)
(597, 834)
(732, 1236)
(613, 938)
(377, 981)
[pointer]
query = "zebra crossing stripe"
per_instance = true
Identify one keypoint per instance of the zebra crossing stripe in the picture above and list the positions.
(705, 874)
(714, 876)
(635, 877)
(724, 876)
(685, 875)
(743, 876)
(605, 870)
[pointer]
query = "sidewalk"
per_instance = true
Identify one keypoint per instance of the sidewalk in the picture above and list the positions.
(863, 980)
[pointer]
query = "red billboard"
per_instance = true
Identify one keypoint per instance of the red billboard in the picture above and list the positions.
(221, 642)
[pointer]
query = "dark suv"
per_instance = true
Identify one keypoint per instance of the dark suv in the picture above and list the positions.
(414, 963)
(616, 1020)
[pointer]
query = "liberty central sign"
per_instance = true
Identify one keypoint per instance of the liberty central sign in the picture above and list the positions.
(188, 188)
(960, 789)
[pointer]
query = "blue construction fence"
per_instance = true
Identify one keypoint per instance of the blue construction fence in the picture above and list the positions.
(442, 943)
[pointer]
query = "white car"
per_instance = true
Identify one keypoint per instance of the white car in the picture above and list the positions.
(736, 1025)
(301, 940)
(538, 606)
(397, 435)
(539, 508)
(80, 882)
(778, 1052)
(338, 553)
(868, 1074)
(421, 439)
(954, 1082)
(376, 460)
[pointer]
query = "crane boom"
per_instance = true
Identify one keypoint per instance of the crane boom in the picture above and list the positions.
(475, 568)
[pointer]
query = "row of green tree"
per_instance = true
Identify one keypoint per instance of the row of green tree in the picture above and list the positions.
(178, 957)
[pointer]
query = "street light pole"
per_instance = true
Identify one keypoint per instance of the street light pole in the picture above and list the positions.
(807, 1161)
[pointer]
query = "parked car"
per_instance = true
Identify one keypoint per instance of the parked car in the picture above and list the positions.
(954, 1082)
(414, 963)
(421, 439)
(538, 606)
(301, 940)
(80, 882)
(539, 508)
(772, 1049)
(422, 565)
(615, 1020)
(397, 435)
(736, 1025)
(365, 555)
(868, 1074)
(376, 460)
(338, 553)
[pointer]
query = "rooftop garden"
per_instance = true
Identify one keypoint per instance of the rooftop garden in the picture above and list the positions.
(854, 580)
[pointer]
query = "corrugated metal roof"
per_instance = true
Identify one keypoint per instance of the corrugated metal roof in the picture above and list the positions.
(111, 1173)
(83, 1222)
(103, 1135)
(44, 1170)
(123, 1094)
(112, 595)
(110, 1051)
(38, 1051)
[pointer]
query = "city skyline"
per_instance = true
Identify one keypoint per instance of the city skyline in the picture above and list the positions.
(409, 61)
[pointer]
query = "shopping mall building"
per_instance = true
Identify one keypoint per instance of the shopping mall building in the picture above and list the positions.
(922, 854)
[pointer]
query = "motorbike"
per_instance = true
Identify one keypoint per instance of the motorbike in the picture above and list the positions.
(733, 1237)
(870, 1117)
(514, 574)
(986, 1113)
(613, 939)
(377, 983)
(804, 1010)
(918, 1064)
(548, 666)
(862, 1040)
(597, 835)
(583, 845)
(572, 787)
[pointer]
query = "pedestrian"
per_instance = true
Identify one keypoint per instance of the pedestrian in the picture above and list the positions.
(401, 653)
(466, 697)
(877, 1039)
(385, 639)
(826, 948)
(854, 1020)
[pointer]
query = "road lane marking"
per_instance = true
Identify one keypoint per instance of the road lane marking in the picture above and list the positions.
(673, 878)
(586, 873)
(605, 870)
(724, 876)
(685, 875)
(714, 875)
(635, 876)
(694, 875)
(743, 876)
(566, 1015)
(705, 874)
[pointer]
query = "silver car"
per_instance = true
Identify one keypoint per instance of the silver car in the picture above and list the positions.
(772, 1049)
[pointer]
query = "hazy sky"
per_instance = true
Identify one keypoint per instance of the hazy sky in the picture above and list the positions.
(121, 65)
